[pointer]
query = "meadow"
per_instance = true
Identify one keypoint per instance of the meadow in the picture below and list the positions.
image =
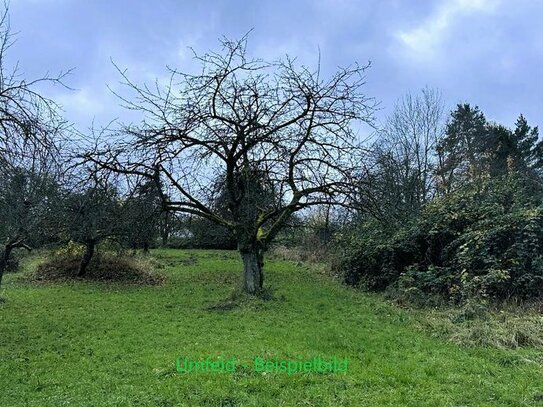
(96, 344)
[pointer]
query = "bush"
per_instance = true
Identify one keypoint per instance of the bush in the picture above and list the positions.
(483, 242)
(373, 258)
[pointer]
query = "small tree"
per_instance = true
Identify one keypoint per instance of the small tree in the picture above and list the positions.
(90, 216)
(268, 127)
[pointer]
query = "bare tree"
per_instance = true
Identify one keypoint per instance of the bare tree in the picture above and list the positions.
(91, 214)
(29, 129)
(279, 135)
(402, 178)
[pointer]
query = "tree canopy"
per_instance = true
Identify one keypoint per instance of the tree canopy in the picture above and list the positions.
(269, 129)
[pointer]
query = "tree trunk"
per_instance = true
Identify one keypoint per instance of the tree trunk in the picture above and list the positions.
(4, 257)
(253, 276)
(146, 247)
(165, 228)
(87, 256)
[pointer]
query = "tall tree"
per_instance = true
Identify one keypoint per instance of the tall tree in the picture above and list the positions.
(529, 146)
(268, 126)
(401, 178)
(463, 148)
(474, 148)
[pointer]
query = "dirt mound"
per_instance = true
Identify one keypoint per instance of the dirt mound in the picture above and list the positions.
(104, 267)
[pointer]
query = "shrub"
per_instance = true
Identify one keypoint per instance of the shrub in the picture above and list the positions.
(485, 242)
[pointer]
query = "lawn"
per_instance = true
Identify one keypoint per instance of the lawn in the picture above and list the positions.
(94, 344)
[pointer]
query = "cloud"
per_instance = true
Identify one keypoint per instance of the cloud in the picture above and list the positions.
(487, 52)
(85, 104)
(424, 41)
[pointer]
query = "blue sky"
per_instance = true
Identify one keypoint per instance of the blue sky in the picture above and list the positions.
(486, 52)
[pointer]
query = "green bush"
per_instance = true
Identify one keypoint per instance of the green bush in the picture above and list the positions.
(485, 241)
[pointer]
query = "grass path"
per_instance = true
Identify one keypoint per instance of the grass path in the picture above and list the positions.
(86, 344)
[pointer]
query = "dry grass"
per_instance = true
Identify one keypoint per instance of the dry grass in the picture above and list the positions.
(103, 267)
(316, 254)
(506, 328)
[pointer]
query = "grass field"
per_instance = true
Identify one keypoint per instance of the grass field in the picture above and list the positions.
(90, 344)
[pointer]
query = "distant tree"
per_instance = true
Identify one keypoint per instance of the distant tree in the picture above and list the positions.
(474, 149)
(265, 125)
(141, 212)
(203, 234)
(401, 179)
(165, 226)
(463, 148)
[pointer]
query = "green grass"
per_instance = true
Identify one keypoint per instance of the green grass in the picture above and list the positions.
(90, 344)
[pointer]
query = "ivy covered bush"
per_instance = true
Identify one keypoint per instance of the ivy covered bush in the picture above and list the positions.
(483, 241)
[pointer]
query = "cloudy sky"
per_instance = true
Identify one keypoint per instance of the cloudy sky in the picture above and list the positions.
(486, 52)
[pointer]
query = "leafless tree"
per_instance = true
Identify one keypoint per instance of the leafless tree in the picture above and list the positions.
(279, 135)
(91, 213)
(402, 178)
(29, 130)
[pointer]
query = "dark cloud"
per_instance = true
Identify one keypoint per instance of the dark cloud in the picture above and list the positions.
(487, 52)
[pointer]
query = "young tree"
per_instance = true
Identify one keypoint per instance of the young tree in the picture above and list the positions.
(91, 215)
(265, 126)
